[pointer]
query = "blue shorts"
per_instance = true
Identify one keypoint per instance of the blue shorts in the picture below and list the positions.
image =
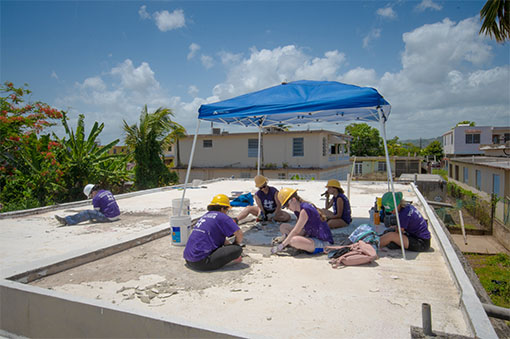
(319, 245)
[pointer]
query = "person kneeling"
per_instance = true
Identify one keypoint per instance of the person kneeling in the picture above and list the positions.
(311, 232)
(208, 248)
(415, 232)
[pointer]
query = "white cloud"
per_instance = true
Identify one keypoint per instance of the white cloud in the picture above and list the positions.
(387, 12)
(193, 49)
(445, 77)
(264, 68)
(207, 61)
(193, 90)
(428, 4)
(54, 75)
(143, 12)
(373, 34)
(167, 21)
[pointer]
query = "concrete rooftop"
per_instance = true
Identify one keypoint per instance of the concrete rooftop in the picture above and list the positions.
(265, 296)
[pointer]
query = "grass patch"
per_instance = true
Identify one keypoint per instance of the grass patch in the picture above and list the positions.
(494, 274)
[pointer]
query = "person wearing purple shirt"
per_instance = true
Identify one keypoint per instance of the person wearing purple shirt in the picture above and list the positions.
(105, 208)
(341, 215)
(311, 232)
(207, 247)
(416, 235)
(267, 204)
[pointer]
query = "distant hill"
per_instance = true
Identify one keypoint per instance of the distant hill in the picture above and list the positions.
(424, 142)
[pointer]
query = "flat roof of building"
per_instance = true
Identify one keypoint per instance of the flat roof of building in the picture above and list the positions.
(496, 162)
(265, 296)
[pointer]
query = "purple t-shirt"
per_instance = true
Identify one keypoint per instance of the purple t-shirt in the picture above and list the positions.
(208, 234)
(106, 203)
(315, 227)
(267, 200)
(346, 213)
(413, 222)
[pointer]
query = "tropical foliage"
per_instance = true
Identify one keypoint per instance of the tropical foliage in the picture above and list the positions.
(434, 149)
(154, 133)
(365, 140)
(85, 161)
(30, 173)
(496, 20)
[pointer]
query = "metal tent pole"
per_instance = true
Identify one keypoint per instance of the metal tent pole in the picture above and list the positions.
(258, 155)
(189, 167)
(390, 178)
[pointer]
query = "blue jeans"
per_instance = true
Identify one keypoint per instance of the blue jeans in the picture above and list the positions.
(86, 215)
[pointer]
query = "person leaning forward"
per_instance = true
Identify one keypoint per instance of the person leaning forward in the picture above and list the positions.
(415, 232)
(267, 204)
(105, 208)
(208, 248)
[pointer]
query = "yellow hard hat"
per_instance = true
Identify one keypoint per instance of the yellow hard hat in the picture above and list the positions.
(285, 193)
(333, 183)
(221, 200)
(260, 180)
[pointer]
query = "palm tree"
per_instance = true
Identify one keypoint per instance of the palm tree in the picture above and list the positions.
(148, 139)
(496, 19)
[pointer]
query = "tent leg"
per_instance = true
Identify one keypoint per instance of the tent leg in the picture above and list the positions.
(189, 167)
(258, 155)
(390, 178)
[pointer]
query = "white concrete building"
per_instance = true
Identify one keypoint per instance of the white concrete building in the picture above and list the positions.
(315, 154)
(466, 140)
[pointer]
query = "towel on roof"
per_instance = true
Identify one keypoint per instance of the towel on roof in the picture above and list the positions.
(242, 200)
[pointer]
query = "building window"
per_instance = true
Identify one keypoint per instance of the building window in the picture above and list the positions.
(478, 183)
(495, 139)
(381, 166)
(473, 138)
(495, 185)
(298, 149)
(456, 172)
(170, 148)
(325, 147)
(207, 144)
(450, 172)
(466, 175)
(114, 151)
(253, 148)
(281, 176)
(358, 168)
(507, 137)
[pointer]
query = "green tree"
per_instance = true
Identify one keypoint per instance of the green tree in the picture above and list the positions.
(148, 139)
(30, 174)
(85, 161)
(365, 140)
(434, 148)
(466, 122)
(495, 15)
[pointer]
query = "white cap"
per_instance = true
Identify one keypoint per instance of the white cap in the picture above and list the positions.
(88, 189)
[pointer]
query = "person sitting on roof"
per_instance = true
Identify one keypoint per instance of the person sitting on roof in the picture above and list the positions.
(268, 207)
(341, 215)
(105, 208)
(415, 232)
(311, 232)
(208, 247)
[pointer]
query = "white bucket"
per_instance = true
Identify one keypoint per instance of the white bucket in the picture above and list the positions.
(176, 204)
(181, 228)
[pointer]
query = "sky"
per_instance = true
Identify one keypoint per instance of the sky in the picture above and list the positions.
(107, 59)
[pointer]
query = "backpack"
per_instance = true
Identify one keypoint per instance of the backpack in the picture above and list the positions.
(366, 233)
(358, 253)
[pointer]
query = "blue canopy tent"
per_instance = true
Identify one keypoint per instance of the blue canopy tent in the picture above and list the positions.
(296, 103)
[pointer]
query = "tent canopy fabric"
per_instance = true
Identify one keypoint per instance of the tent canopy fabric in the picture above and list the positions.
(299, 102)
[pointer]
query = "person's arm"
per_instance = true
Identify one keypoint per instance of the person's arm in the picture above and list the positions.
(328, 203)
(259, 204)
(339, 209)
(278, 204)
(238, 237)
(303, 218)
